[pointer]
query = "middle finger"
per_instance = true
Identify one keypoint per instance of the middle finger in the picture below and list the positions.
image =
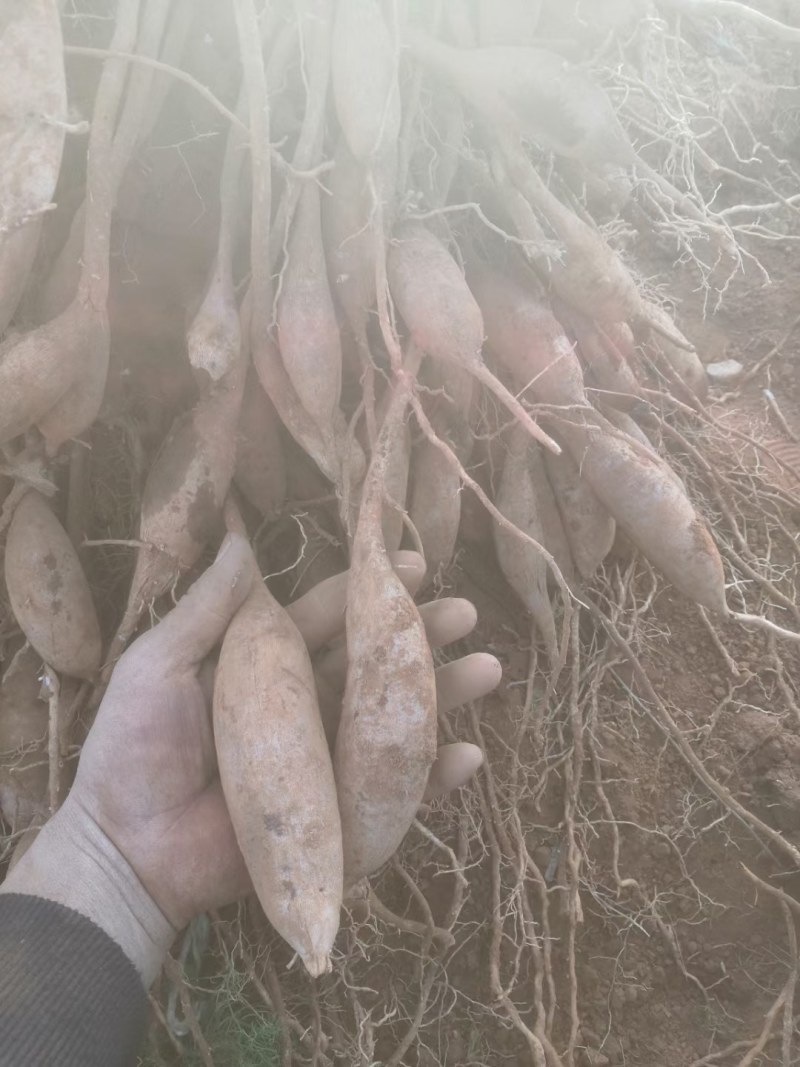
(465, 680)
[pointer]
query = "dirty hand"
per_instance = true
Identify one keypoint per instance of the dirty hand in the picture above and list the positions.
(144, 841)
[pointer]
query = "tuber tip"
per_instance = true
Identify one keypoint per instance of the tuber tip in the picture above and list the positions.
(317, 965)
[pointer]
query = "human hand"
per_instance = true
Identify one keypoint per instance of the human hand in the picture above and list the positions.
(131, 846)
(147, 803)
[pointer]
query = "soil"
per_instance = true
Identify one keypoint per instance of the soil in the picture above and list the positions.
(680, 958)
(588, 891)
(706, 975)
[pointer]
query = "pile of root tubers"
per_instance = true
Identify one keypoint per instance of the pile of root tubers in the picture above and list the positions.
(374, 288)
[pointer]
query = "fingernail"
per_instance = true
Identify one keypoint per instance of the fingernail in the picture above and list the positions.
(223, 548)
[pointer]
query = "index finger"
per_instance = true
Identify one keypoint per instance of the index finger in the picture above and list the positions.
(319, 615)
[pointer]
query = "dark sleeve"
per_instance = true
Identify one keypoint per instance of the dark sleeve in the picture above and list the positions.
(69, 996)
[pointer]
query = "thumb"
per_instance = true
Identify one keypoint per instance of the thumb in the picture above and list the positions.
(199, 620)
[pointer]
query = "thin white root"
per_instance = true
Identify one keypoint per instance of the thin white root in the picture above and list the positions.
(733, 9)
(52, 687)
(764, 624)
(163, 68)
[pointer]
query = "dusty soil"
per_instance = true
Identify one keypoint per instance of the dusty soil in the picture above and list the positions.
(600, 900)
(602, 897)
(599, 878)
(692, 958)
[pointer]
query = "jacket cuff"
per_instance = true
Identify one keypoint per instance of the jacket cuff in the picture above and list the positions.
(69, 995)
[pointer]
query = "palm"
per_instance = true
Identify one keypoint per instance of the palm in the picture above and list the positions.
(155, 793)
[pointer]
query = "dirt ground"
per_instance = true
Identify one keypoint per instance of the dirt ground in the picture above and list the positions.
(680, 955)
(588, 837)
(620, 884)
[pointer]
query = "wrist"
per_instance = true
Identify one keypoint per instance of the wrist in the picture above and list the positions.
(75, 864)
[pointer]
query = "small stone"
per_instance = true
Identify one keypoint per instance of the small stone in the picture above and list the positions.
(726, 371)
(782, 794)
(472, 958)
(541, 857)
(612, 1047)
(456, 1050)
(719, 691)
(590, 1057)
(774, 749)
